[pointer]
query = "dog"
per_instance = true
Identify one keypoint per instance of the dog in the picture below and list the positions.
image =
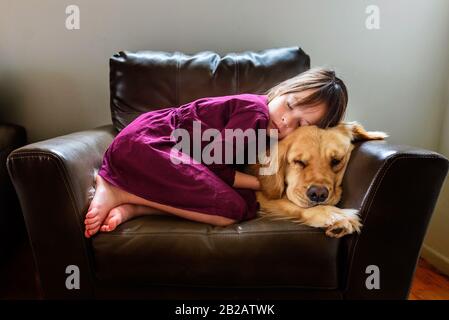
(311, 164)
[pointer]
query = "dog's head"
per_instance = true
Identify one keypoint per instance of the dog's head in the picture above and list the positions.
(312, 162)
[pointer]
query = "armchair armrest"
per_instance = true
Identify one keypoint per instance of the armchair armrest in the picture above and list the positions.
(396, 188)
(53, 180)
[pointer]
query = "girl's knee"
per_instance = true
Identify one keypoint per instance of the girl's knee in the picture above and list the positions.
(223, 221)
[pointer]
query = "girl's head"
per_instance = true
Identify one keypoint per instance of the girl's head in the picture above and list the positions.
(314, 97)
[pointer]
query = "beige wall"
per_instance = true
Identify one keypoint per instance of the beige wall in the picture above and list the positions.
(436, 244)
(396, 75)
(55, 81)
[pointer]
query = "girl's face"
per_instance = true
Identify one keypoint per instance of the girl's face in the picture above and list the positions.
(285, 117)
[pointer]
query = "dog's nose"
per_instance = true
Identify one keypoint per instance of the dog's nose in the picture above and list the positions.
(317, 193)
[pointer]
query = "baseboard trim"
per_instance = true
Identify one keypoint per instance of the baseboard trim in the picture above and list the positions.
(436, 259)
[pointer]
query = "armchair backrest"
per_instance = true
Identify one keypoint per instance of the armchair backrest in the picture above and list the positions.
(149, 80)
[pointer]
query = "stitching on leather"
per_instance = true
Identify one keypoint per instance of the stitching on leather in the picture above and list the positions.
(33, 245)
(58, 161)
(378, 182)
(50, 156)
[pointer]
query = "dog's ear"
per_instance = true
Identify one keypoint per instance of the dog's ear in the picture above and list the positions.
(356, 132)
(272, 175)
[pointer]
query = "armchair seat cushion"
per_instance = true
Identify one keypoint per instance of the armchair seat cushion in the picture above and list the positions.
(168, 250)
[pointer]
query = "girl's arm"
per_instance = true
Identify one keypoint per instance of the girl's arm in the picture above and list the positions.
(246, 181)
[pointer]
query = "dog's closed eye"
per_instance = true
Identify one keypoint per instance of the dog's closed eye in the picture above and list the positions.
(300, 162)
(335, 162)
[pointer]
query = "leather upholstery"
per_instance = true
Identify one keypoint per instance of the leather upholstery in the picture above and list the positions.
(168, 250)
(396, 188)
(149, 80)
(167, 257)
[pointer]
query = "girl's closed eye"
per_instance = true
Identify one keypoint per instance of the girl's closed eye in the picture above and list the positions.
(317, 95)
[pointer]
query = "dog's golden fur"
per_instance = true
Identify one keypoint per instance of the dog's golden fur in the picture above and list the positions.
(312, 156)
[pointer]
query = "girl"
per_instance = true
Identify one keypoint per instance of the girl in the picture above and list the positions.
(137, 176)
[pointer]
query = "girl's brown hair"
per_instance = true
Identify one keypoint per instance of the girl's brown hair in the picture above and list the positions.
(328, 88)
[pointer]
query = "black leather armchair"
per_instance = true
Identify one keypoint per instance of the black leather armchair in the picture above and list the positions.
(395, 187)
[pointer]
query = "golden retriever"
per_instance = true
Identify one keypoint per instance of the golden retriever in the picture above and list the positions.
(307, 185)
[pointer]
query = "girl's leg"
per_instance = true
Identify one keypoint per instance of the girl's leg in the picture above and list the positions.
(107, 197)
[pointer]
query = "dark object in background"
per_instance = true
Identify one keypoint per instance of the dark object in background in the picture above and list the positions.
(12, 226)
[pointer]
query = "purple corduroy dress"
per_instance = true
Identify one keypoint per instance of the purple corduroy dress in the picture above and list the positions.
(138, 160)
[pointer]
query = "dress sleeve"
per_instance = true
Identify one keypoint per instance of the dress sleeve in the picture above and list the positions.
(242, 118)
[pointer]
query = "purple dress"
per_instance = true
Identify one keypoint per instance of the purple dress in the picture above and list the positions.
(138, 160)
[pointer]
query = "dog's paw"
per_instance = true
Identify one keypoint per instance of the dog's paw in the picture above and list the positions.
(324, 216)
(349, 223)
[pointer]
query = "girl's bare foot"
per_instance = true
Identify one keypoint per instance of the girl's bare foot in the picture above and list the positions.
(106, 197)
(125, 212)
(117, 216)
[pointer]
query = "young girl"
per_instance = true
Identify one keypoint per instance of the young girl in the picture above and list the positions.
(137, 176)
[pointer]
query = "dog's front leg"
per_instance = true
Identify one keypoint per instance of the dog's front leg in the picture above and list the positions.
(279, 209)
(338, 222)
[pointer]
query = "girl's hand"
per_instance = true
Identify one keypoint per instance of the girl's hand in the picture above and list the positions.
(246, 181)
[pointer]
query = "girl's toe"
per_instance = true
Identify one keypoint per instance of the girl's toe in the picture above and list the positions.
(92, 226)
(90, 221)
(92, 213)
(112, 225)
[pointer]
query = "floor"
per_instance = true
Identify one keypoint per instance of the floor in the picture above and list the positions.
(429, 284)
(18, 279)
